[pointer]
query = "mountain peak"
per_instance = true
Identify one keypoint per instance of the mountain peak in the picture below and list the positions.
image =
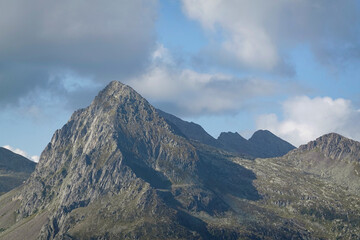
(329, 137)
(232, 135)
(334, 145)
(117, 91)
(119, 141)
(262, 133)
(269, 145)
(113, 87)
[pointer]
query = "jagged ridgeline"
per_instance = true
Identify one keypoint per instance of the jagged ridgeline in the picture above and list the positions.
(263, 144)
(118, 170)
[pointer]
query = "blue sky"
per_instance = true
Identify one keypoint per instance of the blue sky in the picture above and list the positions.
(230, 65)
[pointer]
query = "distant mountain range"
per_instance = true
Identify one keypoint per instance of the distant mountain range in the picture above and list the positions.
(14, 169)
(263, 144)
(120, 169)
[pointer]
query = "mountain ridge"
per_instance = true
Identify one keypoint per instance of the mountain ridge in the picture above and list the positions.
(14, 169)
(263, 143)
(118, 170)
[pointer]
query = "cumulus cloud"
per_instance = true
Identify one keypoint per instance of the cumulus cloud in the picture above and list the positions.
(97, 40)
(184, 91)
(22, 153)
(305, 119)
(259, 33)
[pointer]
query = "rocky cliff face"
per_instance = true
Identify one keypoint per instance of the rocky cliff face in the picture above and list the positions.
(117, 170)
(14, 170)
(117, 144)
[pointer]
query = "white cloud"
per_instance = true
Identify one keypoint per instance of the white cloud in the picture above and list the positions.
(305, 119)
(35, 158)
(185, 91)
(259, 33)
(22, 153)
(16, 150)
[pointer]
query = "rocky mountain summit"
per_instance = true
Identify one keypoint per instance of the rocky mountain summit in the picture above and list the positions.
(14, 169)
(119, 170)
(331, 156)
(335, 146)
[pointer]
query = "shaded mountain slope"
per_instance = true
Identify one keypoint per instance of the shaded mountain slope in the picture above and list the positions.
(191, 130)
(268, 145)
(234, 142)
(14, 169)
